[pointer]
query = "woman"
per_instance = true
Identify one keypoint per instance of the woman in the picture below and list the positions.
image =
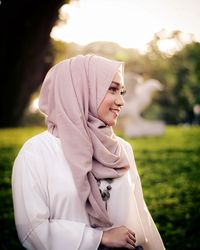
(76, 185)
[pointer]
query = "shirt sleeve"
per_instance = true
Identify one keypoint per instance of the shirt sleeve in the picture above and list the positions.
(36, 230)
(153, 239)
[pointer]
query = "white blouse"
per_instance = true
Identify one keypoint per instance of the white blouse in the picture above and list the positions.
(47, 208)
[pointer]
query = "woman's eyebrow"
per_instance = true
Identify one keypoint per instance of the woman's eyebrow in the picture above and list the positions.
(118, 84)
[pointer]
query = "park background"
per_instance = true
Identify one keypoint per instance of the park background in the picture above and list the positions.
(168, 164)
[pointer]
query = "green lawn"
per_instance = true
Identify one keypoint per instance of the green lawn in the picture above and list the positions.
(169, 167)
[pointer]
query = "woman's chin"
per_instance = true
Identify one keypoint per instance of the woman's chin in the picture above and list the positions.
(112, 123)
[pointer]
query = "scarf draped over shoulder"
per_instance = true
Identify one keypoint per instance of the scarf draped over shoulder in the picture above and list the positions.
(70, 96)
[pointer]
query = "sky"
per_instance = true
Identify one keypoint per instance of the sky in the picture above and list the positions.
(130, 23)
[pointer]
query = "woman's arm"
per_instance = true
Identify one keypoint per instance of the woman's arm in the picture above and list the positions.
(36, 230)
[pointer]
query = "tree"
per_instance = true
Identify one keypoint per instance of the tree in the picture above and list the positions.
(25, 27)
(185, 66)
(179, 72)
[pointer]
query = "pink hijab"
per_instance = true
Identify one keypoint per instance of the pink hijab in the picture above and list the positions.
(70, 96)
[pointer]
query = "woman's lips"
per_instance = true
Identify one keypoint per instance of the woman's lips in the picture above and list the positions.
(115, 111)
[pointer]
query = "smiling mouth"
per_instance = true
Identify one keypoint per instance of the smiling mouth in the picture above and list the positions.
(115, 111)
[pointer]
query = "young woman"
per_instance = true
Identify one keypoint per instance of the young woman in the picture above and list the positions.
(76, 186)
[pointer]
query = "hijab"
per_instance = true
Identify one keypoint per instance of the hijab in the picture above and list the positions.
(70, 96)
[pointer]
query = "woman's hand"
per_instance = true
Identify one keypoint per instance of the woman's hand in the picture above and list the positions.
(119, 237)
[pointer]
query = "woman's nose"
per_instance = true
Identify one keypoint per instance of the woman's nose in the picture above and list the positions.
(119, 101)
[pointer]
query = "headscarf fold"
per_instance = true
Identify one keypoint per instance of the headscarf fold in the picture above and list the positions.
(70, 96)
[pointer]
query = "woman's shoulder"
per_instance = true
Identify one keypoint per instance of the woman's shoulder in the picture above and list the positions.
(127, 146)
(36, 151)
(124, 143)
(39, 142)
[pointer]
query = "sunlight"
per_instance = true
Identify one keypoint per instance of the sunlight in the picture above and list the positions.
(168, 45)
(119, 24)
(34, 105)
(130, 23)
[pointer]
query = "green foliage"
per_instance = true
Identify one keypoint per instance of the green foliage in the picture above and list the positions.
(169, 170)
(180, 75)
(185, 66)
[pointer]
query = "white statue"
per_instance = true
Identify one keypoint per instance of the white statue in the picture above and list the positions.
(139, 97)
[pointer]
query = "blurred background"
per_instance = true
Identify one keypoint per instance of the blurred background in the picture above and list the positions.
(159, 41)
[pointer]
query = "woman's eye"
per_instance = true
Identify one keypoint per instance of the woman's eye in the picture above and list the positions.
(113, 89)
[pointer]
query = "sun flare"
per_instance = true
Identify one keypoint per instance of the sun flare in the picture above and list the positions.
(130, 23)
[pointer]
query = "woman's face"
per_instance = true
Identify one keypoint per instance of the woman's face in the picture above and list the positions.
(110, 107)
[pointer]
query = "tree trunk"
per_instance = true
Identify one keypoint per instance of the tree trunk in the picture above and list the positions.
(25, 27)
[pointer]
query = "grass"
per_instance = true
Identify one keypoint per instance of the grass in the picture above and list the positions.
(169, 167)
